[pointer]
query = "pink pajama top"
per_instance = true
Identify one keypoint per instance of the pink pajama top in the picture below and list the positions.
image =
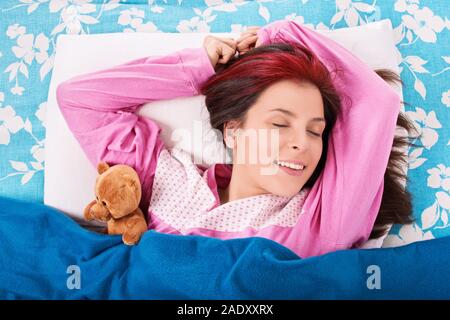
(338, 212)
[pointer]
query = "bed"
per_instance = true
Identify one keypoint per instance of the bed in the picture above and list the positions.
(31, 230)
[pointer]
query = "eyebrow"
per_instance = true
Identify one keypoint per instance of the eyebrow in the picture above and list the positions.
(291, 114)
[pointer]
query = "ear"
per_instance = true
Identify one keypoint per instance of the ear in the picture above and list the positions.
(229, 138)
(102, 167)
(229, 133)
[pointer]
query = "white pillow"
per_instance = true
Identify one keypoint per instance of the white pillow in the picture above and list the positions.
(70, 177)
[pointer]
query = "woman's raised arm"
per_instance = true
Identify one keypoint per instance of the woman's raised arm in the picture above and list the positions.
(342, 206)
(99, 107)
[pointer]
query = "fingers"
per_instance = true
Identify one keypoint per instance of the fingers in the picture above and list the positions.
(250, 31)
(258, 43)
(219, 49)
(230, 41)
(245, 35)
(246, 43)
(227, 49)
(250, 38)
(227, 54)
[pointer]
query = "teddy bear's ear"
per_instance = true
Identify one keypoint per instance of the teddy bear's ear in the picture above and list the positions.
(102, 167)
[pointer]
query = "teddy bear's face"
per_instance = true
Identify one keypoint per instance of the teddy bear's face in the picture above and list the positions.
(117, 201)
(117, 192)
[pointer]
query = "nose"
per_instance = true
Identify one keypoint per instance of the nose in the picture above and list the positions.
(298, 142)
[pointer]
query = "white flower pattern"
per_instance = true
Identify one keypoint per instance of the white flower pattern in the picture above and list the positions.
(424, 24)
(9, 123)
(134, 19)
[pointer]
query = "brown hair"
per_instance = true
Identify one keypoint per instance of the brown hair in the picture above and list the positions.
(237, 84)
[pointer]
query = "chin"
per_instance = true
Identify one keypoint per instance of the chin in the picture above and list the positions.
(285, 189)
(282, 191)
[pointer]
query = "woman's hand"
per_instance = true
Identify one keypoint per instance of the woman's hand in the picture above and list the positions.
(220, 50)
(248, 40)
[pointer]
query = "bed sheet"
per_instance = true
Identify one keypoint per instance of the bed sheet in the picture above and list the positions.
(55, 258)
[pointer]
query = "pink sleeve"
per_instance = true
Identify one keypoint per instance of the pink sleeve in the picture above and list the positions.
(342, 206)
(99, 107)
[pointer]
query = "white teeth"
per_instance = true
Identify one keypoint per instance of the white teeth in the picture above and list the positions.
(290, 165)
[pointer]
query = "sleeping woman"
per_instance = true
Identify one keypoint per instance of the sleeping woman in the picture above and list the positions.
(333, 180)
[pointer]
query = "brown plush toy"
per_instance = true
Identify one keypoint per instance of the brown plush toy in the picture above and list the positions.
(118, 193)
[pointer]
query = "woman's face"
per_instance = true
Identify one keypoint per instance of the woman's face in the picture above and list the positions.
(286, 123)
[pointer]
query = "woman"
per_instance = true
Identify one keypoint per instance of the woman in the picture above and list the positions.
(322, 186)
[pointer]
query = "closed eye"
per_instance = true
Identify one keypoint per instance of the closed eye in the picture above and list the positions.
(316, 134)
(285, 126)
(279, 125)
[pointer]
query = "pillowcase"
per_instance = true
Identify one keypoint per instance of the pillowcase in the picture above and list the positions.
(69, 178)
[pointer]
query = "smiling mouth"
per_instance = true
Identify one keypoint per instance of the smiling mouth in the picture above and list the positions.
(289, 165)
(293, 170)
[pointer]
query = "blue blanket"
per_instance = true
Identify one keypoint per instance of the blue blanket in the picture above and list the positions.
(46, 255)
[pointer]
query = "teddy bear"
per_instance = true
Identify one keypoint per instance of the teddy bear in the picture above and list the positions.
(118, 193)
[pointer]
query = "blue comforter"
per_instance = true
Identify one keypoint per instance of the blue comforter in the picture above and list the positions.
(46, 255)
